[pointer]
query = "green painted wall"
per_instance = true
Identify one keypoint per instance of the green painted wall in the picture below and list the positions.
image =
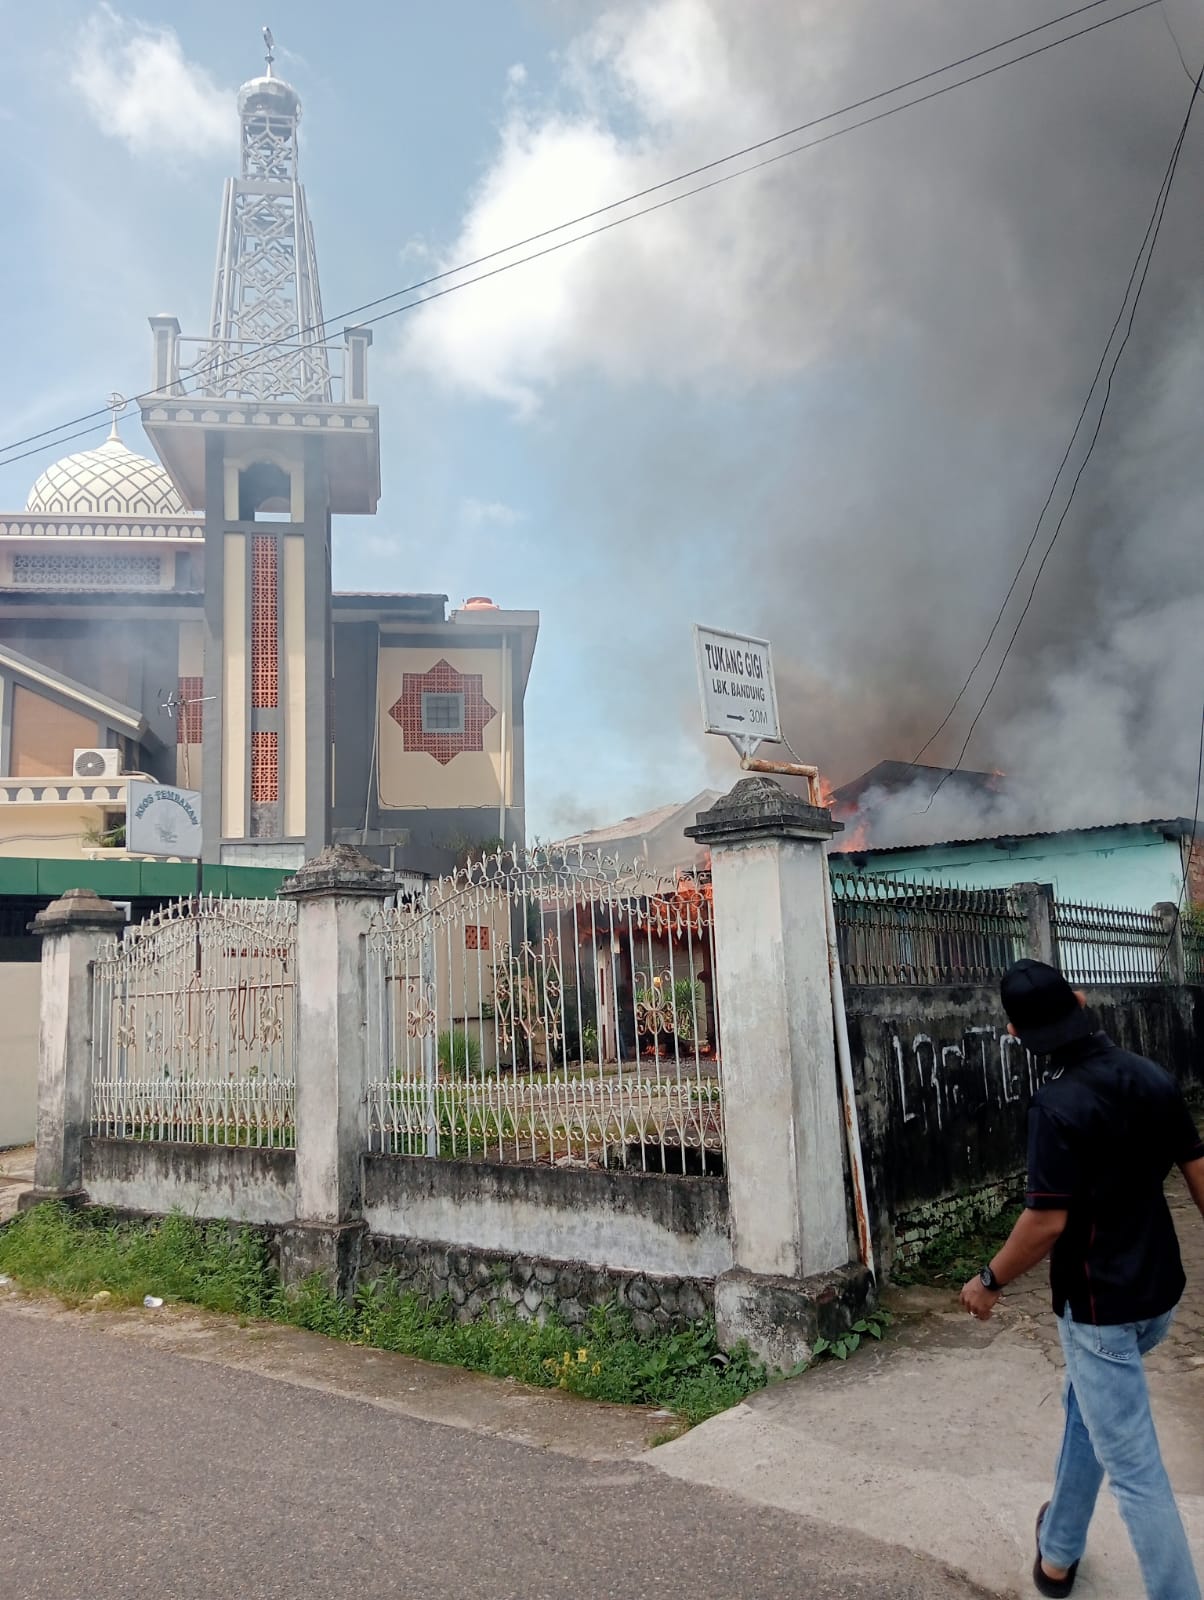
(1133, 867)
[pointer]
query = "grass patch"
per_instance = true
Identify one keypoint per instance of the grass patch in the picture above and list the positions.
(75, 1255)
(227, 1269)
(951, 1259)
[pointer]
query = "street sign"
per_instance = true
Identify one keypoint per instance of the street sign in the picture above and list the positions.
(162, 821)
(735, 678)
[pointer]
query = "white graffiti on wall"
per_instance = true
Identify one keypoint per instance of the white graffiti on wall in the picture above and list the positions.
(947, 1076)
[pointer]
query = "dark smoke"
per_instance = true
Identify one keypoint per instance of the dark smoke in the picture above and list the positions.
(849, 451)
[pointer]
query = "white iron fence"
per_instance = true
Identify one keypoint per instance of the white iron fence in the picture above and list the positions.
(551, 1007)
(194, 1025)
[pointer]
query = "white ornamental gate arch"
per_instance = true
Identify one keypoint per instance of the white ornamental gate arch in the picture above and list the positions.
(194, 1027)
(549, 1006)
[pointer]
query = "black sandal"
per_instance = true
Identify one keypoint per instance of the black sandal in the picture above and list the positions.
(1055, 1588)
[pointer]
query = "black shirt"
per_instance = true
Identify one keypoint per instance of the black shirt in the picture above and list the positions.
(1103, 1133)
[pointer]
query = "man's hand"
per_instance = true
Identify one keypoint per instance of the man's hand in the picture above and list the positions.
(1193, 1171)
(978, 1300)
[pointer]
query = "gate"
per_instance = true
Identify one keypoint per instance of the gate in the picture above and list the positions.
(194, 1025)
(551, 1007)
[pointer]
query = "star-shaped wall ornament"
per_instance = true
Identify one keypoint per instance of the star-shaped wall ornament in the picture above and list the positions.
(442, 678)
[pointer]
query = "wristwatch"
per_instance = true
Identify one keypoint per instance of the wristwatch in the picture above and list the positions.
(989, 1281)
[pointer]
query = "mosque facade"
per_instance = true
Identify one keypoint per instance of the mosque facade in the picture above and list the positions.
(174, 618)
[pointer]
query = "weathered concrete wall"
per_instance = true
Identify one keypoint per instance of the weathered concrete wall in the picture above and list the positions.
(943, 1095)
(20, 997)
(619, 1221)
(226, 1182)
(494, 1282)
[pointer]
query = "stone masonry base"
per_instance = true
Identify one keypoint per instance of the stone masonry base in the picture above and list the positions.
(780, 1319)
(916, 1229)
(486, 1282)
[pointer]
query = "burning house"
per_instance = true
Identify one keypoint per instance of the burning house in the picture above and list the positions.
(174, 617)
(1131, 864)
(645, 936)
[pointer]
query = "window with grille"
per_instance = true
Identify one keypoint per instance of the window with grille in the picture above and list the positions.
(442, 713)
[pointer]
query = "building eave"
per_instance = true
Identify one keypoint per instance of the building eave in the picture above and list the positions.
(1169, 827)
(122, 717)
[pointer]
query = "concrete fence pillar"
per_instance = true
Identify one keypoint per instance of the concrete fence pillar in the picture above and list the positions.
(789, 1211)
(336, 894)
(1037, 899)
(75, 931)
(1173, 962)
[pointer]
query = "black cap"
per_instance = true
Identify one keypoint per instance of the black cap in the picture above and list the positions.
(1042, 1007)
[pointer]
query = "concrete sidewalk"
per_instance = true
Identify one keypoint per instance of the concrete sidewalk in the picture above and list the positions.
(943, 1438)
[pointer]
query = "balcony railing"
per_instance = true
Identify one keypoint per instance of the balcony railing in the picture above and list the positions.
(293, 370)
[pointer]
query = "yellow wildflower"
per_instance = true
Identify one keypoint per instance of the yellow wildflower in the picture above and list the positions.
(582, 1356)
(596, 1369)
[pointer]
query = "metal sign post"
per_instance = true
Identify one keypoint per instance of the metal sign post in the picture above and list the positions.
(735, 679)
(164, 821)
(739, 701)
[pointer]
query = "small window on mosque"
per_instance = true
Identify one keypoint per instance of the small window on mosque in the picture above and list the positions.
(443, 713)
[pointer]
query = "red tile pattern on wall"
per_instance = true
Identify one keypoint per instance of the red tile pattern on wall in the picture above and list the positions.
(476, 938)
(265, 772)
(265, 656)
(1195, 873)
(442, 679)
(190, 712)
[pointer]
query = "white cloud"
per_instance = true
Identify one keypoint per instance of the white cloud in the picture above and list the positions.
(730, 285)
(140, 88)
(488, 513)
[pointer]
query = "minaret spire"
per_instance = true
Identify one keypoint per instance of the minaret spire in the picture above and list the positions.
(260, 433)
(266, 320)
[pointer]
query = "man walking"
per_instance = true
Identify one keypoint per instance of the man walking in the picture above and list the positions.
(1104, 1131)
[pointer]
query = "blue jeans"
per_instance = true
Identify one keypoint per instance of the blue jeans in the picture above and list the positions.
(1109, 1429)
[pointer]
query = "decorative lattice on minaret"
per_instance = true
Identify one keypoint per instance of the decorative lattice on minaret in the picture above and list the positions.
(266, 336)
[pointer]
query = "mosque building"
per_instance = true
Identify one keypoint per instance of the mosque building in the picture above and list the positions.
(174, 618)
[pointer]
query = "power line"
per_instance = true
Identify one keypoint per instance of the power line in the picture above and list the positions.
(1175, 42)
(1028, 549)
(1146, 250)
(1195, 815)
(1143, 5)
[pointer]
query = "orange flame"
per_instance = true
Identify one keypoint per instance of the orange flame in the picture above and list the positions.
(857, 829)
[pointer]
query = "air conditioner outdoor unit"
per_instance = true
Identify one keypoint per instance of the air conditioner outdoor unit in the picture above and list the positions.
(96, 764)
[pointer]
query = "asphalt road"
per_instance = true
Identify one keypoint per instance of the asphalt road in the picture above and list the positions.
(133, 1474)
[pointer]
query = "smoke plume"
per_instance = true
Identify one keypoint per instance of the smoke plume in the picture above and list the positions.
(825, 403)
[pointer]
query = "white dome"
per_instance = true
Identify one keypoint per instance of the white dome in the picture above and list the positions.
(108, 481)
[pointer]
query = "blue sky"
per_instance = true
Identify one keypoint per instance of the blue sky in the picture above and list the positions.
(813, 403)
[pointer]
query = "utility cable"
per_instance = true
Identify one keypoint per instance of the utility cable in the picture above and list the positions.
(1175, 42)
(1028, 549)
(1140, 272)
(1143, 5)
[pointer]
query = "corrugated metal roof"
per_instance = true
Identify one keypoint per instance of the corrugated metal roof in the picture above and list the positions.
(384, 594)
(646, 822)
(1177, 827)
